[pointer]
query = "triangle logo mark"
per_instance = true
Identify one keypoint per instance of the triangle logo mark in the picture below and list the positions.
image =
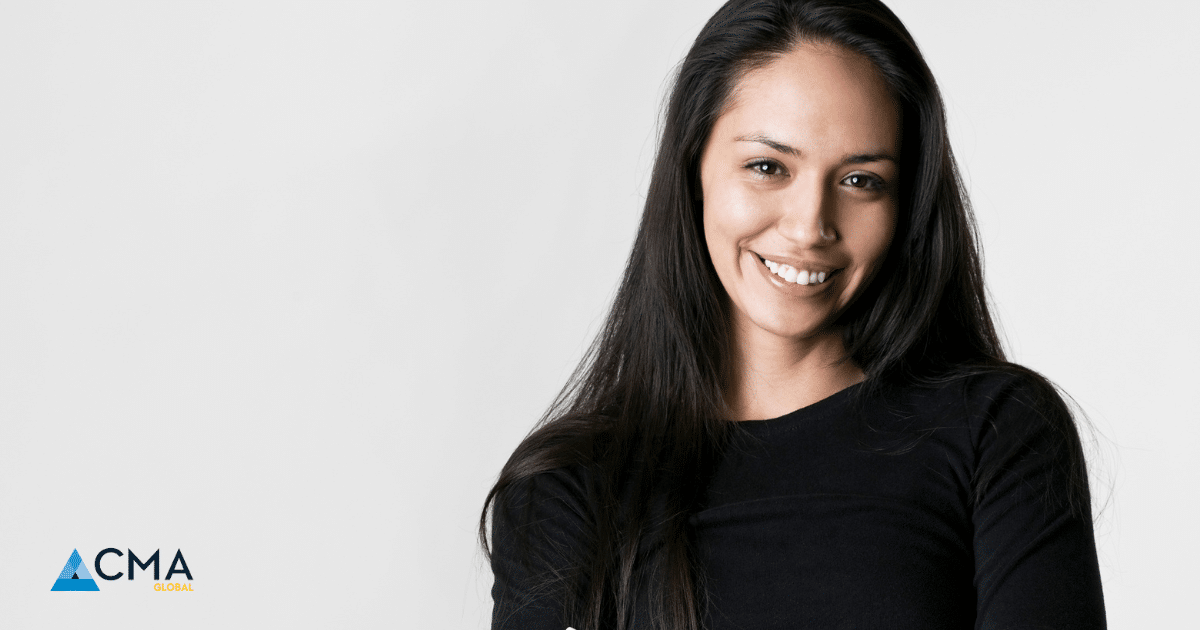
(74, 576)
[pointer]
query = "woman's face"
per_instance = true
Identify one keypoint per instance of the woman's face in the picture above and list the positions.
(799, 179)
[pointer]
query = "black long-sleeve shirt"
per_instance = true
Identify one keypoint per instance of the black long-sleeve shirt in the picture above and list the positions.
(860, 514)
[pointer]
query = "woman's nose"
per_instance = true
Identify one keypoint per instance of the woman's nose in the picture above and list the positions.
(807, 214)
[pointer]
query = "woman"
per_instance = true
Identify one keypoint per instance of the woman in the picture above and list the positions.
(798, 413)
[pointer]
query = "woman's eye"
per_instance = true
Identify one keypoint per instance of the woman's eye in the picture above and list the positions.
(765, 168)
(865, 182)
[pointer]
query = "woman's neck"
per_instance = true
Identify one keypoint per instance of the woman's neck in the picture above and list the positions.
(775, 376)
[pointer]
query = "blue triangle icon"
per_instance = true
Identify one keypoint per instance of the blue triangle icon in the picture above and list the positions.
(74, 576)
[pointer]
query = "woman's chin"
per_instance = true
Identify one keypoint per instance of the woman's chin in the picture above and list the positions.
(790, 329)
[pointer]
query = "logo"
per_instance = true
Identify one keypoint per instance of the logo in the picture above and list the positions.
(75, 576)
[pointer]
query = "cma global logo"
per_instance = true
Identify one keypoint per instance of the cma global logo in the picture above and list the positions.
(76, 577)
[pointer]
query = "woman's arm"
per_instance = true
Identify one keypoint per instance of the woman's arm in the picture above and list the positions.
(537, 532)
(1035, 553)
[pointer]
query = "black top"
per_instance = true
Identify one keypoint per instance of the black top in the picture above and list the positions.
(857, 512)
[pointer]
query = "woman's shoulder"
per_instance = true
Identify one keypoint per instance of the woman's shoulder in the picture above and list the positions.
(539, 520)
(989, 413)
(980, 397)
(561, 490)
(1013, 401)
(558, 464)
(1021, 427)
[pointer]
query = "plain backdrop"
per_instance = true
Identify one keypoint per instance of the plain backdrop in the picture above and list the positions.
(282, 284)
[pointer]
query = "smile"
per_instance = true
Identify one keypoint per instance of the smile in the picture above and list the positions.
(797, 276)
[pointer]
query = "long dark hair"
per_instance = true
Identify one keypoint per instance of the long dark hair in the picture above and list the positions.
(645, 413)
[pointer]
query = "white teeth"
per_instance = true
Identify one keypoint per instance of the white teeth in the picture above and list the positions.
(789, 273)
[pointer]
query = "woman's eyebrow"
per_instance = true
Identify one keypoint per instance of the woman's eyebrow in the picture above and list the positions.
(774, 144)
(854, 158)
(863, 158)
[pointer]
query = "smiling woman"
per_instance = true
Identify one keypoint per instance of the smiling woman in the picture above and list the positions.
(799, 194)
(798, 413)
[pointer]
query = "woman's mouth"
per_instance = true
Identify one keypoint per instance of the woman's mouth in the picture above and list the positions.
(791, 274)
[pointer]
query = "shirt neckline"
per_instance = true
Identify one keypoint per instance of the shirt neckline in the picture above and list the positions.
(817, 408)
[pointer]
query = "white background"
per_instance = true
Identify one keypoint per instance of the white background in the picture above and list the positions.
(283, 284)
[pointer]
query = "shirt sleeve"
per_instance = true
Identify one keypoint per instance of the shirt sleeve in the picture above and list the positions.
(1035, 552)
(538, 528)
